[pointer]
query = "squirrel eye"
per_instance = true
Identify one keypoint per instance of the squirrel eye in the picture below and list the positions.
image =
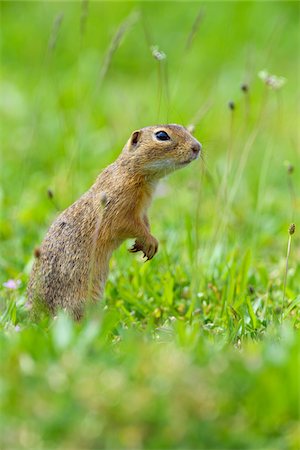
(162, 136)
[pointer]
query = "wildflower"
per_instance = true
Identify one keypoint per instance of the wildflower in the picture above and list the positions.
(12, 284)
(273, 81)
(157, 54)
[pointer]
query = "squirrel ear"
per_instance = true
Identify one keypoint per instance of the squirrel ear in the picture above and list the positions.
(135, 137)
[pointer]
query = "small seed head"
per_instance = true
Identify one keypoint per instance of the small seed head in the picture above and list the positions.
(50, 193)
(290, 169)
(251, 289)
(292, 229)
(231, 105)
(245, 87)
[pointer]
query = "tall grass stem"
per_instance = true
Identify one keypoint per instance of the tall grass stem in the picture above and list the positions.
(292, 228)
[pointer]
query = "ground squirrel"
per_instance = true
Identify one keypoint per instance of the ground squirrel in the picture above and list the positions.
(72, 263)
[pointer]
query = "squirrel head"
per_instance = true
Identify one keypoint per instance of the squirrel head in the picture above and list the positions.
(158, 150)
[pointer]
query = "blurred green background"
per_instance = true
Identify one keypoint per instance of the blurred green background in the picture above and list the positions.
(200, 347)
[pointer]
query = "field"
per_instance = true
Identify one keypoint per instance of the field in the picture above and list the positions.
(198, 348)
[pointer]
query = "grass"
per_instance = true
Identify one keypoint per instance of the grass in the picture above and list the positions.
(198, 348)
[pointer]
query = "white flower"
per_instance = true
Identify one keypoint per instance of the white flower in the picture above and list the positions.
(273, 81)
(157, 54)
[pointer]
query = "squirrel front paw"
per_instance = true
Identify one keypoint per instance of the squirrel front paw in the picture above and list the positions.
(148, 247)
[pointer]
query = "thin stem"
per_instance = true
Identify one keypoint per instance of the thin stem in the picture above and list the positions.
(292, 196)
(285, 274)
(160, 88)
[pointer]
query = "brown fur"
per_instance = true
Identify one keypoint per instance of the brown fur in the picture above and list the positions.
(72, 265)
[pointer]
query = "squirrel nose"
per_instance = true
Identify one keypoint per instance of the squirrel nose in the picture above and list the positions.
(196, 147)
